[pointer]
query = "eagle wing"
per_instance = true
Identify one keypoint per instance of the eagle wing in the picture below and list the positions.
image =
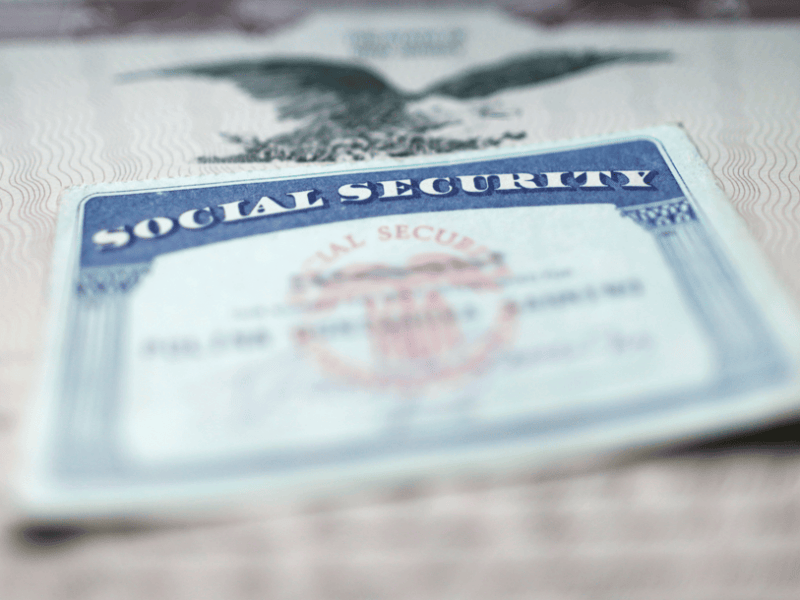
(531, 69)
(348, 94)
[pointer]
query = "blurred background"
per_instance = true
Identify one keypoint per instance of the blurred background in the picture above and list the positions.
(49, 18)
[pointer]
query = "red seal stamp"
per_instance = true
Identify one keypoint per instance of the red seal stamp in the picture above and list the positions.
(433, 317)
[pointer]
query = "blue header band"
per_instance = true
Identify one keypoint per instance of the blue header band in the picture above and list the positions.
(113, 212)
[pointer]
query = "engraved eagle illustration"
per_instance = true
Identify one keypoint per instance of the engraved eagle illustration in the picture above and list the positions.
(349, 112)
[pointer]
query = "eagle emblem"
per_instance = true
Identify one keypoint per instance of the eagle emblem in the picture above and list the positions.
(349, 112)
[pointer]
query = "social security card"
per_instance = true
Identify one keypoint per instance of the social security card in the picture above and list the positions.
(317, 330)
